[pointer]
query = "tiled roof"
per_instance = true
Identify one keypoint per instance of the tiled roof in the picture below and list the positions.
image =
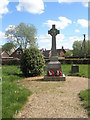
(47, 53)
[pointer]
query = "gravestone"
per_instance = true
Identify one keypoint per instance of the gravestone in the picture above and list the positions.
(75, 69)
(54, 66)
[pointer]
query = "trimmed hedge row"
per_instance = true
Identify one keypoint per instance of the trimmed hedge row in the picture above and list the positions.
(73, 61)
(76, 61)
(67, 61)
(10, 62)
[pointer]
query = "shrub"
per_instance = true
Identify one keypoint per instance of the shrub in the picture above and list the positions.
(32, 62)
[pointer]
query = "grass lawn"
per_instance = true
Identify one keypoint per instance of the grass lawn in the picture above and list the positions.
(85, 97)
(83, 70)
(13, 95)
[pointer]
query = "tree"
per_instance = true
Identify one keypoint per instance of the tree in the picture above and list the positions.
(79, 49)
(32, 62)
(8, 47)
(88, 46)
(22, 35)
(68, 53)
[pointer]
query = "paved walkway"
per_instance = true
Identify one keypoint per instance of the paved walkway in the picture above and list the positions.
(54, 99)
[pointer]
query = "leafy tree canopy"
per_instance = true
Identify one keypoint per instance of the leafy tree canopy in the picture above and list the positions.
(81, 48)
(68, 53)
(8, 47)
(22, 35)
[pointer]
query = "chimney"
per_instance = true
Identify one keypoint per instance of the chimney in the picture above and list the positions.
(84, 36)
(84, 39)
(62, 47)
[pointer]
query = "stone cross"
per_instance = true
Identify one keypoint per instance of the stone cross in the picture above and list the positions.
(53, 32)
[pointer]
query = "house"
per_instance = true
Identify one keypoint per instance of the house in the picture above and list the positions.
(11, 59)
(61, 52)
(17, 53)
(4, 54)
(47, 53)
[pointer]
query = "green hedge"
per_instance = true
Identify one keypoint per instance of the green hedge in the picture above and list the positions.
(10, 62)
(66, 61)
(76, 61)
(73, 61)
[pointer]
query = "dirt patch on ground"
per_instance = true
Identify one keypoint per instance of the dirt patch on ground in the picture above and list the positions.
(54, 99)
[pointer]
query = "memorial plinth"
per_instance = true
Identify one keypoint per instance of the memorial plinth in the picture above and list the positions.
(54, 71)
(54, 78)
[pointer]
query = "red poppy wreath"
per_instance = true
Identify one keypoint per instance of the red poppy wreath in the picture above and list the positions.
(58, 73)
(50, 73)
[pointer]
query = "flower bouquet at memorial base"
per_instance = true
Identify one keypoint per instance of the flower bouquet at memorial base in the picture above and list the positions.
(57, 73)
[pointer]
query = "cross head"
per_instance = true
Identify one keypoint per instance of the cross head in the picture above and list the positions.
(53, 32)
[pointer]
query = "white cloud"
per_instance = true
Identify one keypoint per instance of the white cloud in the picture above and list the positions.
(10, 27)
(68, 43)
(44, 38)
(83, 22)
(74, 38)
(71, 40)
(60, 24)
(77, 30)
(3, 7)
(84, 2)
(59, 38)
(31, 6)
(59, 41)
(45, 41)
(2, 37)
(67, 1)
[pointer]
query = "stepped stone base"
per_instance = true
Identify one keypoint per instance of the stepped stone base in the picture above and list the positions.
(54, 78)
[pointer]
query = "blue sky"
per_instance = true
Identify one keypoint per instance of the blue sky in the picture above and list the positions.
(70, 18)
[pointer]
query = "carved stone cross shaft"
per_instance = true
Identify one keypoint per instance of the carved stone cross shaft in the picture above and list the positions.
(53, 32)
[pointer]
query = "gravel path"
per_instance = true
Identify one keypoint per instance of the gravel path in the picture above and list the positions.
(54, 99)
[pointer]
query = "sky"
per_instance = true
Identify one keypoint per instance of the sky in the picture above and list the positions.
(69, 16)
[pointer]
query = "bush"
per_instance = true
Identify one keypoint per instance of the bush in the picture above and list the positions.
(32, 62)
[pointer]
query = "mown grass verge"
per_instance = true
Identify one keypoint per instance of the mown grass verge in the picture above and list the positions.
(85, 97)
(14, 96)
(83, 70)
